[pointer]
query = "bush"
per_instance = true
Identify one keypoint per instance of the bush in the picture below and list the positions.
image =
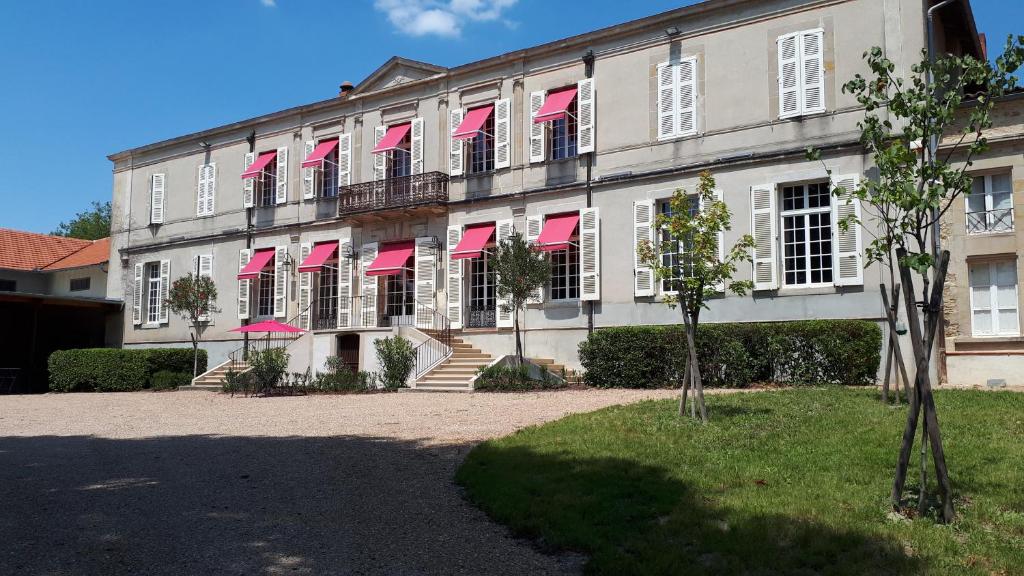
(796, 353)
(117, 370)
(396, 358)
(168, 380)
(173, 360)
(508, 378)
(341, 378)
(268, 367)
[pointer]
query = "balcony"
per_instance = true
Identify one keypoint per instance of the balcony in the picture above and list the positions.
(427, 191)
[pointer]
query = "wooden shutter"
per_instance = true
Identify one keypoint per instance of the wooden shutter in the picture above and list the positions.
(137, 296)
(344, 160)
(503, 229)
(720, 286)
(456, 155)
(379, 160)
(586, 117)
(280, 282)
(344, 283)
(305, 288)
(764, 227)
(536, 130)
(281, 196)
(789, 75)
(156, 195)
(643, 231)
(590, 254)
(425, 266)
(454, 278)
(416, 146)
(812, 77)
(243, 285)
(204, 267)
(848, 266)
(211, 188)
(205, 190)
(502, 133)
(368, 288)
(308, 174)
(165, 289)
(534, 225)
(249, 184)
(667, 100)
(201, 191)
(687, 97)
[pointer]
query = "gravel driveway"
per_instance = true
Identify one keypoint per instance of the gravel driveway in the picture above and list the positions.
(200, 483)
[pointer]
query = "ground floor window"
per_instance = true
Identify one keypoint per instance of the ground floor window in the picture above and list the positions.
(673, 254)
(152, 292)
(994, 298)
(401, 293)
(807, 234)
(265, 294)
(565, 272)
(327, 296)
(482, 296)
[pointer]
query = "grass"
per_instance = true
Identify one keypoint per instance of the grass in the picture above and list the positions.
(785, 482)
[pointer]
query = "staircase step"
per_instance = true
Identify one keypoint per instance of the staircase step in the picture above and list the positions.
(201, 387)
(436, 389)
(452, 385)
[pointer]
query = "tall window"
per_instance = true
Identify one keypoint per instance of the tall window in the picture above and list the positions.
(807, 234)
(994, 298)
(327, 295)
(481, 158)
(565, 272)
(482, 301)
(329, 175)
(266, 185)
(563, 134)
(400, 159)
(990, 204)
(673, 254)
(401, 289)
(265, 291)
(153, 292)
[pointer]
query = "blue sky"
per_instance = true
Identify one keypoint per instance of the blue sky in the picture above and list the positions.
(83, 79)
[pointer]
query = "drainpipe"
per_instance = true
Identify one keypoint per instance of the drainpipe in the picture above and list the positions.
(588, 63)
(251, 139)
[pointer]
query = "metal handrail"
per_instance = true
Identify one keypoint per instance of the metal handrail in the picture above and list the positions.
(396, 192)
(994, 220)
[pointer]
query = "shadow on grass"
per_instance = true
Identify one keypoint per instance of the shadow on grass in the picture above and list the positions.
(637, 519)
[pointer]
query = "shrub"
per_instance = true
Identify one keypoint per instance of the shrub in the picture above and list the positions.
(116, 370)
(340, 378)
(173, 359)
(396, 358)
(806, 352)
(508, 378)
(236, 381)
(168, 380)
(268, 367)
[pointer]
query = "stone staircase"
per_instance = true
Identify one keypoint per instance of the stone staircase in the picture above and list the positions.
(455, 373)
(214, 379)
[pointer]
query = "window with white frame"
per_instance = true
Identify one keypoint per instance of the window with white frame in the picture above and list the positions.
(329, 175)
(481, 151)
(565, 272)
(990, 204)
(400, 159)
(152, 292)
(673, 253)
(265, 291)
(562, 134)
(801, 73)
(994, 298)
(327, 295)
(807, 234)
(266, 184)
(677, 98)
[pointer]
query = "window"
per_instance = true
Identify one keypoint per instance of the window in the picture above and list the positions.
(994, 298)
(990, 204)
(676, 257)
(265, 289)
(8, 286)
(80, 284)
(565, 272)
(401, 290)
(677, 98)
(327, 296)
(562, 134)
(329, 175)
(801, 73)
(206, 190)
(400, 159)
(266, 184)
(153, 293)
(481, 158)
(807, 234)
(482, 298)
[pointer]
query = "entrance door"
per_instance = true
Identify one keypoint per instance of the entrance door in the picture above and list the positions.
(348, 350)
(482, 296)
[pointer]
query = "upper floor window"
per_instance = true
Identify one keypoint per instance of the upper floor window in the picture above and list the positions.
(266, 185)
(807, 234)
(79, 284)
(677, 98)
(400, 159)
(481, 156)
(990, 204)
(329, 175)
(562, 122)
(994, 298)
(206, 189)
(562, 134)
(801, 73)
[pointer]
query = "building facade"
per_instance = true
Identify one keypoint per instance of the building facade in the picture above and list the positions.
(376, 210)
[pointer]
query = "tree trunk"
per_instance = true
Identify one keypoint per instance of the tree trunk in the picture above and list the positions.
(519, 343)
(690, 324)
(686, 387)
(195, 356)
(892, 310)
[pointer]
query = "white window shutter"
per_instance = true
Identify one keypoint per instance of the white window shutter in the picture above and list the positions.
(789, 75)
(812, 71)
(379, 160)
(764, 227)
(308, 174)
(454, 278)
(686, 94)
(344, 160)
(667, 100)
(590, 254)
(249, 184)
(456, 155)
(211, 190)
(502, 133)
(201, 191)
(534, 225)
(157, 194)
(137, 296)
(344, 283)
(416, 146)
(305, 288)
(204, 267)
(280, 282)
(503, 229)
(165, 289)
(536, 130)
(205, 190)
(719, 197)
(425, 266)
(848, 266)
(368, 306)
(586, 122)
(281, 194)
(244, 255)
(643, 231)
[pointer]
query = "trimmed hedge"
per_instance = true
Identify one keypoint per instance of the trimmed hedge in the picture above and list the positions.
(805, 352)
(118, 370)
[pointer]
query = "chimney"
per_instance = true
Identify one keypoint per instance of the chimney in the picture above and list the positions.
(345, 88)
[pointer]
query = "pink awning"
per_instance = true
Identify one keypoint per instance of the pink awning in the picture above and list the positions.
(557, 231)
(256, 264)
(473, 241)
(256, 167)
(316, 157)
(392, 138)
(555, 106)
(321, 253)
(473, 123)
(268, 326)
(391, 259)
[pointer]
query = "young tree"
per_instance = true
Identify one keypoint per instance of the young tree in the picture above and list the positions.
(917, 182)
(92, 224)
(194, 298)
(702, 270)
(521, 270)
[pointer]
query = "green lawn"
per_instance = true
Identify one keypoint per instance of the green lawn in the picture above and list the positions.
(786, 482)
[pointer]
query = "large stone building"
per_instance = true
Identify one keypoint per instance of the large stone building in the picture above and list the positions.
(377, 208)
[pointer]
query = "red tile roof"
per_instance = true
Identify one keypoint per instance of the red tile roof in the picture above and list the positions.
(29, 251)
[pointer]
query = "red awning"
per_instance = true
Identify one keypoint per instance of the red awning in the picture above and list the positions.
(316, 157)
(256, 167)
(557, 231)
(256, 264)
(391, 259)
(268, 326)
(555, 106)
(473, 123)
(392, 138)
(321, 253)
(473, 241)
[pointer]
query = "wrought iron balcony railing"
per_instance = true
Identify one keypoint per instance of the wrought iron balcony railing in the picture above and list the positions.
(391, 193)
(997, 220)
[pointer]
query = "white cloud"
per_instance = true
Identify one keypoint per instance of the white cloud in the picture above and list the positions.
(444, 18)
(269, 3)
